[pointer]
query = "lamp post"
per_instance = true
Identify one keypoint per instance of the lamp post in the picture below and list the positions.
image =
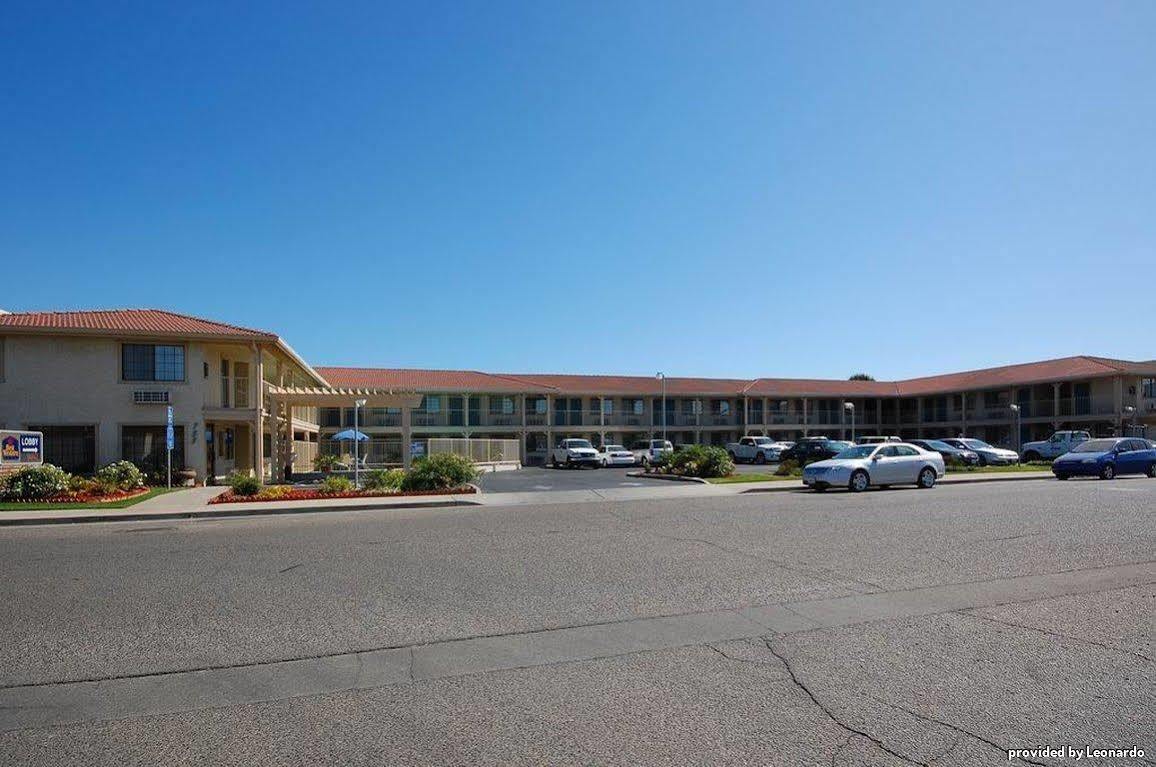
(851, 407)
(357, 405)
(1015, 410)
(662, 377)
(1130, 413)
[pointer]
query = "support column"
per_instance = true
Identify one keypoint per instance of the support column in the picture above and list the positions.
(806, 431)
(1055, 406)
(406, 436)
(258, 378)
(919, 416)
(549, 423)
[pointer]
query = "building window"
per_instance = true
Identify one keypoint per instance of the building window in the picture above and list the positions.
(145, 446)
(1147, 385)
(72, 448)
(225, 383)
(241, 384)
(152, 362)
(331, 416)
(431, 404)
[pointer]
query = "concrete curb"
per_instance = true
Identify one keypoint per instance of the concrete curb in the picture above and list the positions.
(1009, 477)
(667, 477)
(217, 512)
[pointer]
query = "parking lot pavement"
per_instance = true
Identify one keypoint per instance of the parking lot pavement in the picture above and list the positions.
(887, 628)
(543, 479)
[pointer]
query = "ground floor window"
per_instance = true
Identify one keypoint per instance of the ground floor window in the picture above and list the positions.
(145, 446)
(72, 448)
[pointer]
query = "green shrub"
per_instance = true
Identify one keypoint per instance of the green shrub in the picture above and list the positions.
(700, 461)
(33, 482)
(789, 468)
(663, 461)
(382, 479)
(335, 484)
(123, 474)
(443, 471)
(243, 484)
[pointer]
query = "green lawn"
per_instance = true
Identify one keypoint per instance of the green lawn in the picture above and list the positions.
(1034, 466)
(152, 493)
(735, 478)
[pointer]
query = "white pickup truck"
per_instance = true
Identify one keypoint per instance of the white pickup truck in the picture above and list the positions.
(754, 450)
(574, 452)
(1054, 446)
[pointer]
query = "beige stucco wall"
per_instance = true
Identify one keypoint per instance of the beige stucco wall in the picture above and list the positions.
(62, 380)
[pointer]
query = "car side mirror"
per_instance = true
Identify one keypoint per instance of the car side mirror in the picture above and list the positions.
(875, 458)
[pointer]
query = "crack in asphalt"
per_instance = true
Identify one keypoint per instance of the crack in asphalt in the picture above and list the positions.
(970, 613)
(950, 726)
(830, 714)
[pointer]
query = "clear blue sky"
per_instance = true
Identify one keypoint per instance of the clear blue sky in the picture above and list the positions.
(699, 188)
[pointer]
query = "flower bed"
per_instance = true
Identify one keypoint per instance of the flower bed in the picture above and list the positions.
(312, 494)
(84, 498)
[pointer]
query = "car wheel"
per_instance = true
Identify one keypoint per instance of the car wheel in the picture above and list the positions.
(927, 478)
(1108, 472)
(859, 481)
(1152, 471)
(820, 488)
(760, 459)
(733, 457)
(1061, 477)
(603, 463)
(1031, 456)
(982, 461)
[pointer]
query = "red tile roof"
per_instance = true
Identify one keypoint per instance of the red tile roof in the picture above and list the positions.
(426, 380)
(1024, 374)
(819, 387)
(643, 385)
(135, 321)
(989, 378)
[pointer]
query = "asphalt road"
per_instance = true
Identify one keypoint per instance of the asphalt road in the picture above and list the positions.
(542, 479)
(889, 628)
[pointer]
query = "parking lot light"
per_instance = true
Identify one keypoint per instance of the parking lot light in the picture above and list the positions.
(851, 406)
(1015, 409)
(662, 377)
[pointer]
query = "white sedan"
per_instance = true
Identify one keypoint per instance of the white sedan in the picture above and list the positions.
(890, 463)
(615, 455)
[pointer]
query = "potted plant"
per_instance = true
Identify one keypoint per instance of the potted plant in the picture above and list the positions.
(325, 462)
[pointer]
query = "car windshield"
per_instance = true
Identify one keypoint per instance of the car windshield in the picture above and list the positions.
(935, 444)
(1095, 446)
(977, 444)
(577, 443)
(859, 451)
(762, 441)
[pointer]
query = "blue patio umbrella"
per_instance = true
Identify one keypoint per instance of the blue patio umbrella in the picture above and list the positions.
(350, 434)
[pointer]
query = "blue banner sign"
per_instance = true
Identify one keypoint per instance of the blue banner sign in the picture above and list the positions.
(21, 447)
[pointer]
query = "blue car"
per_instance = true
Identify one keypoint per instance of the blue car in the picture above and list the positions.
(1107, 458)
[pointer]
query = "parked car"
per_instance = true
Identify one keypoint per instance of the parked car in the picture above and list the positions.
(1054, 446)
(812, 449)
(574, 452)
(1107, 458)
(753, 450)
(888, 463)
(615, 455)
(875, 440)
(989, 455)
(949, 452)
(648, 451)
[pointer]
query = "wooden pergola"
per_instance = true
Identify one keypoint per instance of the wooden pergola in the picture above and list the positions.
(279, 402)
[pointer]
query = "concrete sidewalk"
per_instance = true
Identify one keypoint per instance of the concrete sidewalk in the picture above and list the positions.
(193, 503)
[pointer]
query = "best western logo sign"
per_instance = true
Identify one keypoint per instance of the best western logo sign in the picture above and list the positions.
(22, 447)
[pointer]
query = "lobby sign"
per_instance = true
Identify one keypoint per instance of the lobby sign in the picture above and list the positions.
(21, 447)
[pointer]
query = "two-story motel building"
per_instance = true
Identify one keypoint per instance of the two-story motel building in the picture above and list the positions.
(97, 383)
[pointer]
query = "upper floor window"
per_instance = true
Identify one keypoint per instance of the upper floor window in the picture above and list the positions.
(152, 362)
(1147, 385)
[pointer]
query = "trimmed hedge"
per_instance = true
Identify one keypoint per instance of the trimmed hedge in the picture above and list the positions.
(382, 479)
(123, 475)
(34, 482)
(705, 461)
(444, 471)
(243, 484)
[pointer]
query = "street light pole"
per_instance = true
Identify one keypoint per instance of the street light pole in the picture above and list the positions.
(357, 405)
(662, 376)
(1015, 409)
(851, 406)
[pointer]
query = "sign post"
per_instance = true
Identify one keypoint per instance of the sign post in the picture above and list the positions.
(169, 444)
